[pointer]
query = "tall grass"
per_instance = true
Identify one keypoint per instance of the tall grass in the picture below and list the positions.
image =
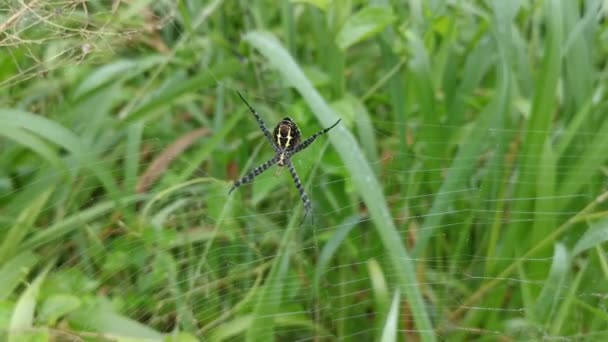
(461, 197)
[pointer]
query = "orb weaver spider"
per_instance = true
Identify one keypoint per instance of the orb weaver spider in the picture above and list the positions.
(286, 141)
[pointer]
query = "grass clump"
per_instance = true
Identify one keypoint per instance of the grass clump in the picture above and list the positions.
(462, 196)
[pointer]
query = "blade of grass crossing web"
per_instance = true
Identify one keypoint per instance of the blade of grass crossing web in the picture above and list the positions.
(572, 129)
(551, 293)
(364, 180)
(269, 299)
(537, 128)
(463, 166)
(586, 166)
(329, 250)
(545, 207)
(484, 289)
(431, 132)
(565, 308)
(398, 95)
(578, 64)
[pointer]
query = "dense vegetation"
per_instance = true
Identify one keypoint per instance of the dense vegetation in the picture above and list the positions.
(461, 197)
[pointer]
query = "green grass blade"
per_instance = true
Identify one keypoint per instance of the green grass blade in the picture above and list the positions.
(157, 102)
(364, 24)
(22, 319)
(329, 250)
(14, 271)
(271, 293)
(61, 136)
(31, 141)
(100, 317)
(11, 243)
(462, 167)
(596, 234)
(69, 224)
(586, 166)
(538, 126)
(554, 286)
(389, 334)
(363, 177)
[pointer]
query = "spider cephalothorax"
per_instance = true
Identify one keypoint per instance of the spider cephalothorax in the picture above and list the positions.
(286, 141)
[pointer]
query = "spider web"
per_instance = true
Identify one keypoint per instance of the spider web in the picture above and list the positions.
(165, 249)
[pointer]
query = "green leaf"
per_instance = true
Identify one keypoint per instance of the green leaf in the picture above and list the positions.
(330, 248)
(23, 314)
(389, 333)
(57, 306)
(24, 223)
(14, 271)
(75, 221)
(157, 102)
(595, 235)
(551, 294)
(121, 69)
(101, 318)
(321, 4)
(33, 142)
(364, 24)
(63, 137)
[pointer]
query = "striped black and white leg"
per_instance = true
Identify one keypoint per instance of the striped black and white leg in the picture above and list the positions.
(254, 173)
(260, 122)
(303, 195)
(304, 144)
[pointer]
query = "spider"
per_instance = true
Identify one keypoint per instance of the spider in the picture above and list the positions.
(286, 142)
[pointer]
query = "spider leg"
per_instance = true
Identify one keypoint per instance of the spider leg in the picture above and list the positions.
(304, 144)
(260, 122)
(254, 173)
(303, 195)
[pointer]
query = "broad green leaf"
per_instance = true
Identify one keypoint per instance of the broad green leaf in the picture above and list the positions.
(57, 306)
(364, 24)
(101, 318)
(596, 234)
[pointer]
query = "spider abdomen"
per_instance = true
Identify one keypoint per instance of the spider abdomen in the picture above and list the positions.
(287, 135)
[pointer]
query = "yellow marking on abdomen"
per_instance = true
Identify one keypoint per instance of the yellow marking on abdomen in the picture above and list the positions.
(279, 137)
(289, 137)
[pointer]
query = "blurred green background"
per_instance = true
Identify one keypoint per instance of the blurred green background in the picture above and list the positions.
(460, 198)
